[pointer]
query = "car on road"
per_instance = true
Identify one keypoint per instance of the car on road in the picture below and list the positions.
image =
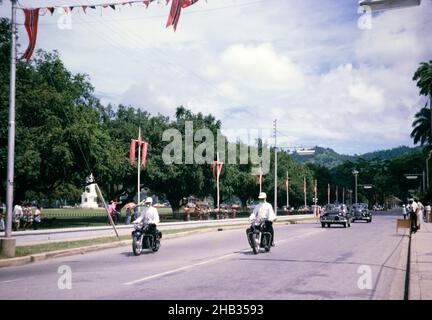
(335, 214)
(360, 211)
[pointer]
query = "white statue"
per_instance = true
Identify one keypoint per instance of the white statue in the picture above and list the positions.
(89, 196)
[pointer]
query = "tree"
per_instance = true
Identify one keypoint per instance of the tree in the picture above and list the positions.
(423, 76)
(422, 127)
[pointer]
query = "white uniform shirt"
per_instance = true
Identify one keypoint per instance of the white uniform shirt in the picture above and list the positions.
(263, 211)
(414, 206)
(148, 215)
(17, 213)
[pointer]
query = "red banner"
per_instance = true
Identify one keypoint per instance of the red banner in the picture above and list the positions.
(144, 154)
(132, 151)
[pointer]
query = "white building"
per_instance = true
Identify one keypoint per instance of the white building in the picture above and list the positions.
(89, 196)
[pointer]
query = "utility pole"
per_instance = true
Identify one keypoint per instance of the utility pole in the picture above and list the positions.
(139, 165)
(8, 247)
(304, 189)
(287, 190)
(343, 194)
(275, 169)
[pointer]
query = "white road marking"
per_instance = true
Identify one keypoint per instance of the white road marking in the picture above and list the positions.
(157, 275)
(8, 281)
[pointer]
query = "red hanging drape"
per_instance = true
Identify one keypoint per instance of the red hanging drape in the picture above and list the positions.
(31, 25)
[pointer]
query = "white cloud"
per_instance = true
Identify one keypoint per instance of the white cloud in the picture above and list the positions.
(248, 62)
(260, 67)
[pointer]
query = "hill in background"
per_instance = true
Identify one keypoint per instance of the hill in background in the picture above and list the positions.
(330, 158)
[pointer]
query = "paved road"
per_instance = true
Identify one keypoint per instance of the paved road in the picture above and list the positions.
(308, 262)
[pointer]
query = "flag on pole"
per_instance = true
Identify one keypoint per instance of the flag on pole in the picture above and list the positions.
(315, 186)
(216, 168)
(144, 154)
(132, 151)
(304, 185)
(31, 25)
(286, 182)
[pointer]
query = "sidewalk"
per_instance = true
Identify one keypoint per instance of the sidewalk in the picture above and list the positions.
(421, 264)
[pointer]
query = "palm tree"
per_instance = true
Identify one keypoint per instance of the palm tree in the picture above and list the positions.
(423, 76)
(422, 120)
(422, 127)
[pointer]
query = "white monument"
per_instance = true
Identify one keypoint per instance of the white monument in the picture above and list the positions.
(89, 196)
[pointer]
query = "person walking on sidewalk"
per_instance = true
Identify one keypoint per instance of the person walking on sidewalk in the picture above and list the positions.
(404, 211)
(414, 208)
(426, 216)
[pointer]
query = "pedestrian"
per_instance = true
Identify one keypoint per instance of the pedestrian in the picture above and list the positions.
(404, 211)
(128, 215)
(420, 212)
(427, 213)
(414, 208)
(16, 216)
(115, 215)
(2, 223)
(37, 217)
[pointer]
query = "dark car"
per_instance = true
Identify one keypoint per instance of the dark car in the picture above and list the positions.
(360, 211)
(335, 214)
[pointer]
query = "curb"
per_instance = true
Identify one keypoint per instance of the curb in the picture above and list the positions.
(398, 287)
(82, 250)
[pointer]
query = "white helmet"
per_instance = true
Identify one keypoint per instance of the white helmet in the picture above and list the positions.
(262, 195)
(148, 200)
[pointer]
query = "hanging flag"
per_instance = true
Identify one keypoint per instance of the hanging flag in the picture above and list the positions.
(216, 168)
(31, 25)
(144, 154)
(51, 9)
(304, 185)
(84, 8)
(132, 151)
(286, 183)
(175, 11)
(258, 180)
(315, 186)
(112, 6)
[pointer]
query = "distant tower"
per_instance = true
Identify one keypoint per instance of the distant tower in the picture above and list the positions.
(89, 196)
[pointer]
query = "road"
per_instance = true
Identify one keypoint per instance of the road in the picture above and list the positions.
(308, 262)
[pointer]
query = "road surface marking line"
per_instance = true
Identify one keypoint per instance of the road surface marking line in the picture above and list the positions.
(8, 281)
(157, 275)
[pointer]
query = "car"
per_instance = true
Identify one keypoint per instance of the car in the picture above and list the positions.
(335, 214)
(360, 211)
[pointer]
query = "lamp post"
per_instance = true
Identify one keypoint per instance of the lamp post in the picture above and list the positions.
(427, 164)
(382, 5)
(355, 173)
(415, 177)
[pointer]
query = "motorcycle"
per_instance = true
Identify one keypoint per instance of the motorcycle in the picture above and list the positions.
(259, 237)
(145, 237)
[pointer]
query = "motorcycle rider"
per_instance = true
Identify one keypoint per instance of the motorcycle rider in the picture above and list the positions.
(263, 211)
(149, 216)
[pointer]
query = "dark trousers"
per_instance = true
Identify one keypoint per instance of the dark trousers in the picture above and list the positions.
(413, 217)
(269, 227)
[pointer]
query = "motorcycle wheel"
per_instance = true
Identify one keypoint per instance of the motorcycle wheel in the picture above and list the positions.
(255, 244)
(136, 246)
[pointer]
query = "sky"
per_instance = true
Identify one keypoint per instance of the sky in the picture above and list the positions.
(332, 76)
